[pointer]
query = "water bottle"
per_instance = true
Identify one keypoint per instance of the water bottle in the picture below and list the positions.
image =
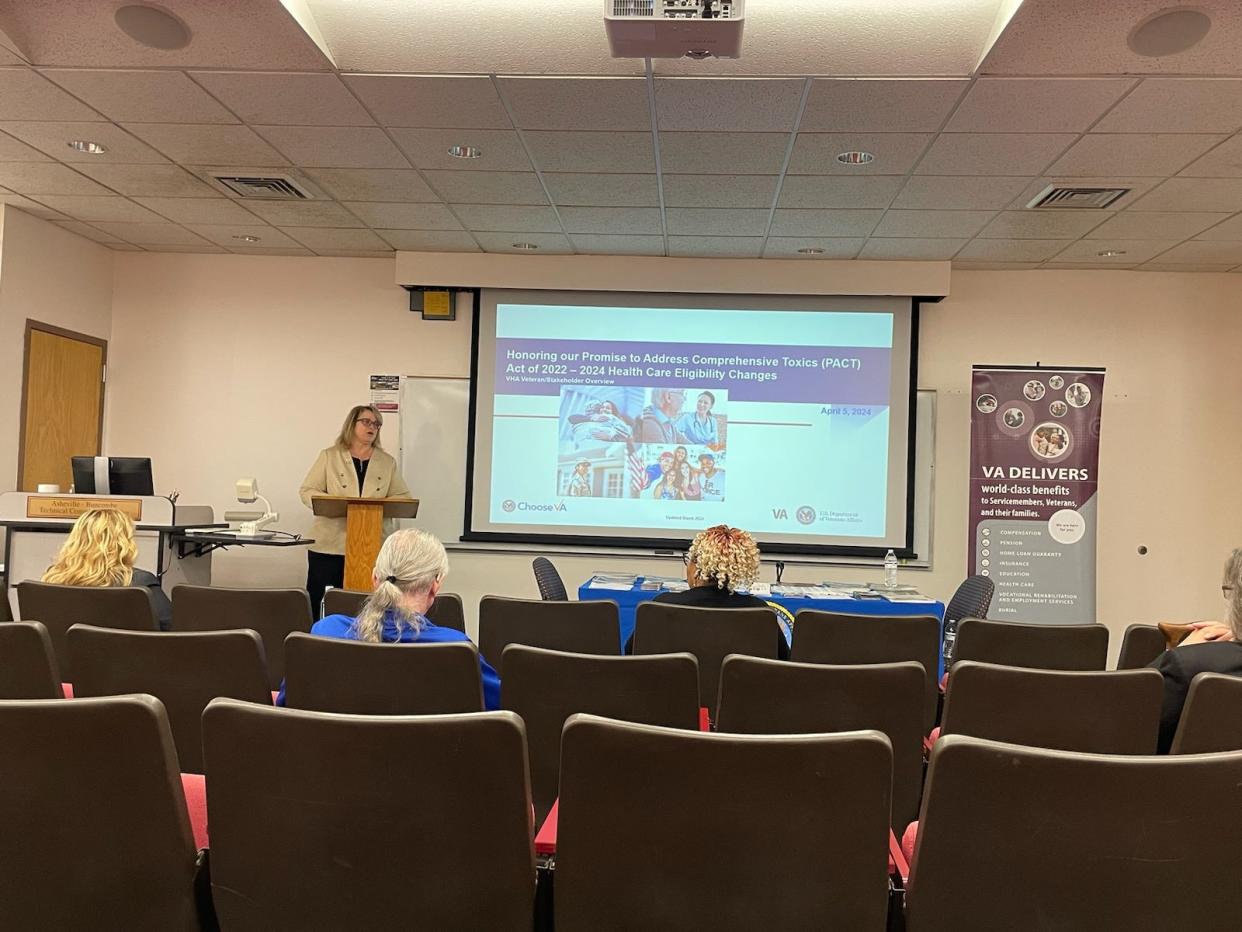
(950, 638)
(890, 570)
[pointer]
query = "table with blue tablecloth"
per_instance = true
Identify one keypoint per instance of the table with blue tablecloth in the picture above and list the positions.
(627, 600)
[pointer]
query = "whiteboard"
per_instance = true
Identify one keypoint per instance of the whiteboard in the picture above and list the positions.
(434, 416)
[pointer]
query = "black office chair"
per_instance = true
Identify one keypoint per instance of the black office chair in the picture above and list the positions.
(551, 586)
(972, 599)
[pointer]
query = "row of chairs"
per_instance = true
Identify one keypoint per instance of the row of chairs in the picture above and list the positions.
(323, 821)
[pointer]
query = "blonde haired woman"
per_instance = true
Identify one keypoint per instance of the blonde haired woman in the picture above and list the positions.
(407, 575)
(100, 551)
(355, 465)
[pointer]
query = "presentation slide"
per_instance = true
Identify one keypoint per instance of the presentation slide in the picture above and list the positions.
(653, 416)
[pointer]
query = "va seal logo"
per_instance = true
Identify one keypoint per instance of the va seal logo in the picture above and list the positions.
(806, 515)
(508, 504)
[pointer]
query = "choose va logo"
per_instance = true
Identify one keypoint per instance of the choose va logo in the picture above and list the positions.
(780, 514)
(806, 515)
(508, 504)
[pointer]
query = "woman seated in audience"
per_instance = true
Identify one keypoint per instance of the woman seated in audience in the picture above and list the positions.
(1210, 648)
(407, 575)
(721, 564)
(101, 551)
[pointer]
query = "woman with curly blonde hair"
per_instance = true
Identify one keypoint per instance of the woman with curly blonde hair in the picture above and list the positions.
(101, 551)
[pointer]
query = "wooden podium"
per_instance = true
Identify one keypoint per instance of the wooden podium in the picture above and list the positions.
(364, 529)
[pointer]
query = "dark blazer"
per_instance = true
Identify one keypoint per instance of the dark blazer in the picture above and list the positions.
(159, 600)
(711, 596)
(1181, 665)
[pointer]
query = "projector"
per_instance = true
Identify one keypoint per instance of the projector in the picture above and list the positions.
(695, 29)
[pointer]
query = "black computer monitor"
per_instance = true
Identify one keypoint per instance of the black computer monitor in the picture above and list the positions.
(126, 475)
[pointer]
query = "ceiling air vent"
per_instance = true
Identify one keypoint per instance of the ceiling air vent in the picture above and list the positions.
(1060, 197)
(269, 187)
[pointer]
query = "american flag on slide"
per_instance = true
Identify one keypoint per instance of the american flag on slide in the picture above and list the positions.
(638, 471)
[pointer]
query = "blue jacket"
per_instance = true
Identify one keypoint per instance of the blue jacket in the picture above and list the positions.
(342, 626)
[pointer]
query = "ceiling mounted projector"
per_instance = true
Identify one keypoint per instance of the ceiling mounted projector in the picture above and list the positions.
(695, 29)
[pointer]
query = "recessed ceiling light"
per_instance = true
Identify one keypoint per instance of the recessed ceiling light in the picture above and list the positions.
(247, 238)
(465, 152)
(855, 158)
(152, 26)
(810, 251)
(1110, 253)
(525, 246)
(85, 145)
(1169, 31)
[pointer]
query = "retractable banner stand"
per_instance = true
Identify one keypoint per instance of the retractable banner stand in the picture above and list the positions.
(1034, 453)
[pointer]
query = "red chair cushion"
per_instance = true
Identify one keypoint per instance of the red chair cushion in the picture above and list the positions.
(195, 787)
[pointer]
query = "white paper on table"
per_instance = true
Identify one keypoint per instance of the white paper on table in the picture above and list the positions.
(611, 584)
(761, 589)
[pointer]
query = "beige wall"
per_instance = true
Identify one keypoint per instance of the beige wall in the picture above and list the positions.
(225, 366)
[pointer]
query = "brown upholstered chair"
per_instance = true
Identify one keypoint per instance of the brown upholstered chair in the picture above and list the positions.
(96, 833)
(334, 675)
(579, 627)
(661, 828)
(61, 607)
(710, 634)
(1043, 647)
(322, 821)
(1018, 837)
(1212, 716)
(184, 670)
(840, 638)
(545, 687)
(773, 697)
(1113, 712)
(343, 602)
(447, 611)
(274, 613)
(27, 664)
(1140, 645)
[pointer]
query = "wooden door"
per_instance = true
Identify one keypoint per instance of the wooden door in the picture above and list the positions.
(62, 404)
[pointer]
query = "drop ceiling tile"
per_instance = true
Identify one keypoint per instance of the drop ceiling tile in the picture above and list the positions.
(420, 241)
(487, 187)
(467, 102)
(704, 221)
(957, 193)
(992, 153)
(1011, 250)
(715, 247)
(404, 216)
(588, 189)
(1225, 161)
(1036, 105)
(618, 220)
(387, 185)
(91, 208)
(1205, 251)
(230, 235)
(148, 180)
(828, 223)
(936, 248)
(1043, 224)
(1133, 251)
(1137, 188)
(274, 98)
(54, 139)
(198, 210)
(1177, 194)
(1156, 265)
(591, 152)
(1150, 224)
(898, 105)
(303, 213)
(318, 238)
(994, 266)
(270, 251)
(548, 243)
(590, 244)
(204, 249)
(385, 253)
(719, 190)
(511, 219)
(723, 153)
(429, 148)
(1230, 229)
(823, 191)
(86, 230)
(142, 96)
(335, 146)
(786, 247)
(27, 95)
(577, 103)
(198, 144)
(152, 234)
(11, 150)
(895, 153)
(46, 178)
(727, 105)
(1159, 155)
(932, 223)
(1178, 105)
(1100, 265)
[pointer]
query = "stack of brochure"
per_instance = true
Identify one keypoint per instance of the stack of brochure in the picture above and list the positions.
(617, 581)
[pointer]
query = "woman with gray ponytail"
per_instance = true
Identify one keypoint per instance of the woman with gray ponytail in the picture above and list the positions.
(407, 575)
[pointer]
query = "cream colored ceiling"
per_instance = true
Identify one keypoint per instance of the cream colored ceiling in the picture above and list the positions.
(585, 153)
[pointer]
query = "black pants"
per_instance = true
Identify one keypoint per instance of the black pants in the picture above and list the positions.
(323, 570)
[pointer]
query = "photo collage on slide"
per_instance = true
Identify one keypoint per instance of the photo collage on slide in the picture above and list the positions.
(664, 444)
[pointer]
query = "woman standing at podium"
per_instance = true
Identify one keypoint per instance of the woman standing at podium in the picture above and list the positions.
(356, 465)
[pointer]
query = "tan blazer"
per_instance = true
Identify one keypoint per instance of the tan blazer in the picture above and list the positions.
(334, 474)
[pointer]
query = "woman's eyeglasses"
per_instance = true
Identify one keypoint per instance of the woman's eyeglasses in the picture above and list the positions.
(1226, 590)
(367, 422)
(685, 558)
